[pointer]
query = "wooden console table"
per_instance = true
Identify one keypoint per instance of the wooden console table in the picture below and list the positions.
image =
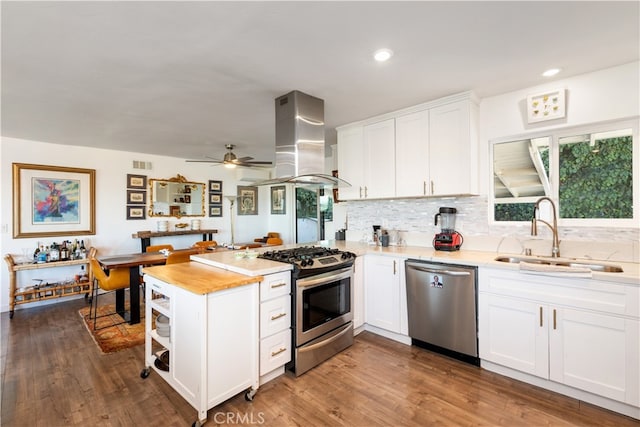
(145, 236)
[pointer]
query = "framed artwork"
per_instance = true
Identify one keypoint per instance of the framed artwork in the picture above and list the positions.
(187, 198)
(53, 201)
(247, 200)
(546, 106)
(136, 181)
(175, 211)
(136, 197)
(136, 212)
(215, 199)
(278, 198)
(215, 187)
(215, 210)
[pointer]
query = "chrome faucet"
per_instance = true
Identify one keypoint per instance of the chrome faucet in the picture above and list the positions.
(555, 248)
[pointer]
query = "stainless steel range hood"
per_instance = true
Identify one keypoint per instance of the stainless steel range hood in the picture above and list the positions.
(300, 142)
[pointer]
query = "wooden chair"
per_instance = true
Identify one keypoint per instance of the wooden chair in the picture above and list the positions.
(182, 255)
(268, 236)
(251, 246)
(158, 248)
(118, 278)
(204, 244)
(274, 241)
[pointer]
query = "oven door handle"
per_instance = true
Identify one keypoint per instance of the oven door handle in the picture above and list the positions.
(347, 329)
(324, 278)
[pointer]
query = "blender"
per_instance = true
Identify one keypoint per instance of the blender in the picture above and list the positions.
(448, 239)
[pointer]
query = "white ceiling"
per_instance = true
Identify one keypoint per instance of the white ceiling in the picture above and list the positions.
(184, 78)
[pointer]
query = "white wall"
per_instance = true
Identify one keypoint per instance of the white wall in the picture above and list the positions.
(113, 231)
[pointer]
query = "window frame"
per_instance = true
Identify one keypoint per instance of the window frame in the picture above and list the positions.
(555, 134)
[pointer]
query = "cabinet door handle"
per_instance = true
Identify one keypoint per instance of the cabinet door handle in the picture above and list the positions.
(424, 188)
(277, 316)
(360, 192)
(541, 317)
(278, 285)
(366, 193)
(554, 319)
(394, 266)
(275, 353)
(432, 187)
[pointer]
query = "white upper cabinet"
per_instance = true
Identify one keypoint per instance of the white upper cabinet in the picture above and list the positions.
(412, 154)
(351, 162)
(379, 144)
(426, 150)
(453, 153)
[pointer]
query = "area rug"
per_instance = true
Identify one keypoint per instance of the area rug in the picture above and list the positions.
(109, 336)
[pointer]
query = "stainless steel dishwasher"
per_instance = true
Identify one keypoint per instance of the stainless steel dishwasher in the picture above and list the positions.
(442, 308)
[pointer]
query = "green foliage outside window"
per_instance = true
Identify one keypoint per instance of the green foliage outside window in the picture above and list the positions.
(596, 181)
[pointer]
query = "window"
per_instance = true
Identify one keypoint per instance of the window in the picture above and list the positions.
(589, 172)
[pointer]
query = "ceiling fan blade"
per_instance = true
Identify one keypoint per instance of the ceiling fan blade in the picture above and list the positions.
(244, 159)
(257, 162)
(203, 161)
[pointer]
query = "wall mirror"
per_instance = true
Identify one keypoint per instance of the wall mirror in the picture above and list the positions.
(176, 197)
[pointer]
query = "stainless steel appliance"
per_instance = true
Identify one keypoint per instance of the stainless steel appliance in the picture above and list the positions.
(322, 303)
(442, 308)
(448, 239)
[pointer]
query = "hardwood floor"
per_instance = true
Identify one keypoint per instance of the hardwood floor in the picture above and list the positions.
(54, 375)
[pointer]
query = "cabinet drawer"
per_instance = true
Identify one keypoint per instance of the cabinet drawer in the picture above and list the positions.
(275, 285)
(275, 351)
(275, 316)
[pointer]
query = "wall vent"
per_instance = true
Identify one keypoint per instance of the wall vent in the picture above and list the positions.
(139, 164)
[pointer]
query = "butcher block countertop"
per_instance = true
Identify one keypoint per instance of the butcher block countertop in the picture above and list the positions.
(199, 278)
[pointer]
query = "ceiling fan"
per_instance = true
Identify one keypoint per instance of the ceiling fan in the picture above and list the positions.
(230, 160)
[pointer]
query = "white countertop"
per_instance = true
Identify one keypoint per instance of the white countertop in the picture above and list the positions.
(228, 260)
(255, 267)
(630, 274)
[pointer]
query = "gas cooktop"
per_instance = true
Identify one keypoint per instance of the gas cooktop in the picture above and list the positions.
(311, 259)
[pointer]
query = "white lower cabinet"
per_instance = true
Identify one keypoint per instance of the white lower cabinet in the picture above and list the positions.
(382, 292)
(212, 342)
(358, 293)
(275, 324)
(580, 333)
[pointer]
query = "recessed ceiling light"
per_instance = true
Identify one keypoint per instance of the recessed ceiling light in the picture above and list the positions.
(551, 72)
(382, 55)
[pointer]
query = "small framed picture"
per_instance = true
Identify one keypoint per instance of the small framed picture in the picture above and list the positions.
(175, 211)
(278, 198)
(187, 198)
(136, 197)
(136, 212)
(215, 187)
(215, 199)
(136, 181)
(247, 200)
(215, 210)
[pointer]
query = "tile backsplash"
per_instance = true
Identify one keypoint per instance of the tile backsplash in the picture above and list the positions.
(414, 219)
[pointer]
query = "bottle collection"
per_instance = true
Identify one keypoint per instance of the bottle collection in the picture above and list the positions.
(64, 251)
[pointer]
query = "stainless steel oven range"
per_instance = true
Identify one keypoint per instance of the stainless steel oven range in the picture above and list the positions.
(322, 303)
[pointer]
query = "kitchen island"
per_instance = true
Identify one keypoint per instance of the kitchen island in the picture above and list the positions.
(211, 351)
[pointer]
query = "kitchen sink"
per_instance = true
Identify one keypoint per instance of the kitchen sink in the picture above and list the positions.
(560, 262)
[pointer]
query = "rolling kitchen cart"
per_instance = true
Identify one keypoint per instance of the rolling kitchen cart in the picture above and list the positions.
(209, 352)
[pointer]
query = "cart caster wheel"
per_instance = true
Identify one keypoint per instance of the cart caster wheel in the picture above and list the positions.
(196, 423)
(11, 314)
(248, 396)
(145, 373)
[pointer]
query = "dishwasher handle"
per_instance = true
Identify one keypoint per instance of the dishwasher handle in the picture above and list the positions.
(440, 272)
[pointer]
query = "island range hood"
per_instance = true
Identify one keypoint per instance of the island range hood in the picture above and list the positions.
(300, 142)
